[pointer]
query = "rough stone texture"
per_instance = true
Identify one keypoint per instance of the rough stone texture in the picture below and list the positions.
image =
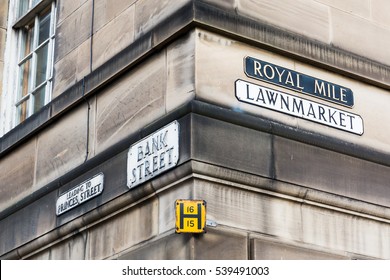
(171, 247)
(223, 4)
(167, 203)
(292, 15)
(245, 149)
(352, 35)
(73, 248)
(3, 34)
(17, 174)
(72, 68)
(148, 13)
(3, 26)
(42, 256)
(295, 221)
(268, 250)
(62, 147)
(380, 10)
(3, 13)
(122, 231)
(105, 12)
(73, 31)
(220, 245)
(251, 211)
(27, 224)
(1, 75)
(131, 103)
(356, 7)
(342, 232)
(331, 172)
(64, 9)
(181, 72)
(113, 37)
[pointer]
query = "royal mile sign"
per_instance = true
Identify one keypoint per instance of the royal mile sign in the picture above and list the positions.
(287, 78)
(153, 155)
(80, 194)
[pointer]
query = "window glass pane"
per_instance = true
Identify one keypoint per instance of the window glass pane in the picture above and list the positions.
(23, 7)
(27, 40)
(44, 28)
(39, 98)
(22, 111)
(41, 65)
(34, 2)
(35, 45)
(25, 73)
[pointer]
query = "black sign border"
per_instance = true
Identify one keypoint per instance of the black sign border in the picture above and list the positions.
(300, 91)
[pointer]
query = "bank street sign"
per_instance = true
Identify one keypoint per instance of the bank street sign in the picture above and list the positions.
(153, 155)
(190, 216)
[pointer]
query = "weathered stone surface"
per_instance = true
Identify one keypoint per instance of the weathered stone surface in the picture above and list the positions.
(64, 9)
(171, 247)
(132, 102)
(184, 190)
(3, 13)
(105, 11)
(124, 230)
(73, 30)
(17, 174)
(41, 256)
(346, 36)
(1, 75)
(268, 250)
(250, 210)
(72, 68)
(220, 245)
(73, 248)
(356, 7)
(292, 15)
(380, 12)
(3, 35)
(62, 147)
(181, 72)
(148, 13)
(27, 224)
(346, 233)
(332, 172)
(223, 4)
(245, 149)
(113, 37)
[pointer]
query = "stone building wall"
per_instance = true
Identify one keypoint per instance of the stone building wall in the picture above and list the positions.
(276, 186)
(3, 34)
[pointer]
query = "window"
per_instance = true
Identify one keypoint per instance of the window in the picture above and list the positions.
(34, 59)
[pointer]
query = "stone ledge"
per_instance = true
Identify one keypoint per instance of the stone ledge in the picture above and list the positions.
(195, 173)
(218, 113)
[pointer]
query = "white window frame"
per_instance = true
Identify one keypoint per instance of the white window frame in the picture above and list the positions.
(10, 97)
